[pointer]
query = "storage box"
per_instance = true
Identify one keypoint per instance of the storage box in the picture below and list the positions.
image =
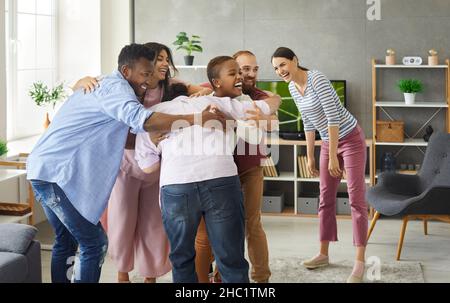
(308, 204)
(343, 204)
(273, 202)
(390, 131)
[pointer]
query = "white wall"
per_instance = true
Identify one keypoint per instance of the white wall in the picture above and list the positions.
(2, 73)
(79, 39)
(115, 31)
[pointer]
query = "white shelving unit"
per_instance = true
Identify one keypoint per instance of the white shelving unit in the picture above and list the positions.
(396, 66)
(416, 105)
(408, 142)
(195, 67)
(293, 175)
(382, 105)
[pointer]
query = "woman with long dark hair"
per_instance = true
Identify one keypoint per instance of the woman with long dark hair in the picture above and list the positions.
(133, 218)
(343, 149)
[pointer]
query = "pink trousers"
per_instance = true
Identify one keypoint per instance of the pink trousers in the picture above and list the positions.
(133, 222)
(352, 157)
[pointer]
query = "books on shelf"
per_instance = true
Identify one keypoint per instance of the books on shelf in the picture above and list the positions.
(270, 169)
(303, 167)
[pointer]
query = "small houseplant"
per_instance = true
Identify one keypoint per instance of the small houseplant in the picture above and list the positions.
(189, 45)
(3, 148)
(409, 87)
(43, 96)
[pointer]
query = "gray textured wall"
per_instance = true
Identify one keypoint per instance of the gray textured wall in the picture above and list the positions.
(333, 36)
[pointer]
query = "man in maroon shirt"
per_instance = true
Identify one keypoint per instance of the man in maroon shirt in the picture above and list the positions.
(248, 161)
(251, 174)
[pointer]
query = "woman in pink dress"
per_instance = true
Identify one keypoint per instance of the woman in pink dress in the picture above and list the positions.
(133, 218)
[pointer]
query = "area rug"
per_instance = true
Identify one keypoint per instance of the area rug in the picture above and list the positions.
(290, 270)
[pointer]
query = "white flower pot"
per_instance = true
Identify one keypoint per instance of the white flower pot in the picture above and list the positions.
(410, 98)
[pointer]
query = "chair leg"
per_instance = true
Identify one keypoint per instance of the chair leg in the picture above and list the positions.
(402, 237)
(376, 216)
(425, 227)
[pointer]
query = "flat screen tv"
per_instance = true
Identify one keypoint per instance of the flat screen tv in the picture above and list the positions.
(291, 125)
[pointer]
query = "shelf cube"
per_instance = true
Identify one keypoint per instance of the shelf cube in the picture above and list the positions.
(273, 202)
(308, 204)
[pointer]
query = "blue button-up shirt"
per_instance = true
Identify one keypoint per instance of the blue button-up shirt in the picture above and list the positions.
(82, 149)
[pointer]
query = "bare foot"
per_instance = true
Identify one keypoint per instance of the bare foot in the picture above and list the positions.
(150, 280)
(123, 277)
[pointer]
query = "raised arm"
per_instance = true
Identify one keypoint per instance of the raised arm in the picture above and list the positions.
(198, 91)
(88, 84)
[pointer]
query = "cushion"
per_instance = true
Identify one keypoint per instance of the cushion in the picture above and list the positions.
(16, 238)
(13, 268)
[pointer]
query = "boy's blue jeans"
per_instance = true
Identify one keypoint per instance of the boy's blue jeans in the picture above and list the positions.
(220, 201)
(71, 230)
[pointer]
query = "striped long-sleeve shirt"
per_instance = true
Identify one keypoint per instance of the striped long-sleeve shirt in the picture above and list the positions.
(320, 107)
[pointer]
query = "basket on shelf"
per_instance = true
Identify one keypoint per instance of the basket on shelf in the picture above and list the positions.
(14, 209)
(390, 131)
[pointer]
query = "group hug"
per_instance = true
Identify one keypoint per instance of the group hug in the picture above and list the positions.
(165, 175)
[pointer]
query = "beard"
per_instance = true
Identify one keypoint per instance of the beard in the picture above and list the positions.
(248, 86)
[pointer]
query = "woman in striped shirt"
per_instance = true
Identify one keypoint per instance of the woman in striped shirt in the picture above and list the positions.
(343, 149)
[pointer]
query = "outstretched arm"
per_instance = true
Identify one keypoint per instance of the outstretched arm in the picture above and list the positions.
(160, 122)
(88, 84)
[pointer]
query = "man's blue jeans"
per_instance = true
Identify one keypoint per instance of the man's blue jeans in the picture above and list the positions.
(220, 201)
(71, 230)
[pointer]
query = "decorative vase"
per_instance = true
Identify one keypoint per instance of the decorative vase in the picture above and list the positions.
(433, 60)
(46, 121)
(388, 162)
(189, 60)
(390, 60)
(410, 98)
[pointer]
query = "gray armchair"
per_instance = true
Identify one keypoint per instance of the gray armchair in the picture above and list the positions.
(425, 196)
(20, 254)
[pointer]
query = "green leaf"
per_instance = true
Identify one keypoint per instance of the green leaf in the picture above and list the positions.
(41, 94)
(410, 86)
(197, 48)
(3, 148)
(189, 45)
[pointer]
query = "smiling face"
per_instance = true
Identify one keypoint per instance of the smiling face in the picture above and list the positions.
(229, 81)
(285, 68)
(249, 68)
(139, 75)
(162, 65)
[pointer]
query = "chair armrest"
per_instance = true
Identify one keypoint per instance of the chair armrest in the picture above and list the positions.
(400, 183)
(16, 238)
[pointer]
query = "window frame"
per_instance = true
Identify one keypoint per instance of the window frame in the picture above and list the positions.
(12, 68)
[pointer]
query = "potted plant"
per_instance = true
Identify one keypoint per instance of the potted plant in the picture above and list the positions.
(3, 149)
(189, 45)
(43, 96)
(409, 87)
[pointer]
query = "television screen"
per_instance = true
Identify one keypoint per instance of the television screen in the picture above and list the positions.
(290, 119)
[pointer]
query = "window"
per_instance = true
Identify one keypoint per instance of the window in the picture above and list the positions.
(31, 56)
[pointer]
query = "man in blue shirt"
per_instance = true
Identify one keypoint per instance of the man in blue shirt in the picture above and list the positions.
(74, 165)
